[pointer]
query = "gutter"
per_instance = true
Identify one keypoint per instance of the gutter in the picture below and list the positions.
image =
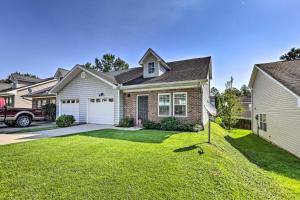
(163, 84)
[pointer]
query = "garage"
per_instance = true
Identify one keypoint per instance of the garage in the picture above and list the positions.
(70, 107)
(101, 110)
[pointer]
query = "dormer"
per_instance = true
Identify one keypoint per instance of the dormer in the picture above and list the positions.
(153, 65)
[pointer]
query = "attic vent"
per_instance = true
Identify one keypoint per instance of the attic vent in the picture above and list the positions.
(82, 75)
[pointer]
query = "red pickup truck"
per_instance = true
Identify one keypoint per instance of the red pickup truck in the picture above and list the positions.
(21, 117)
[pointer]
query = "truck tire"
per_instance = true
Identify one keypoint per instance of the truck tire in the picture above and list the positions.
(23, 121)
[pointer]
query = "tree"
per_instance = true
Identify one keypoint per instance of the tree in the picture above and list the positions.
(229, 105)
(293, 54)
(229, 108)
(89, 65)
(245, 91)
(214, 91)
(108, 63)
(120, 64)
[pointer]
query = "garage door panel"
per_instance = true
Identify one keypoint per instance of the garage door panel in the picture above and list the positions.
(101, 110)
(70, 107)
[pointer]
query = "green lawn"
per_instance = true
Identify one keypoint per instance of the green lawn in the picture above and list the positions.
(114, 164)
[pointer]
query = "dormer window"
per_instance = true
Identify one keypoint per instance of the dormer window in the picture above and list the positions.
(151, 67)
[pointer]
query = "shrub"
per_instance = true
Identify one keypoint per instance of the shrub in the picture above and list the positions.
(169, 124)
(219, 120)
(49, 111)
(126, 122)
(65, 120)
(151, 125)
(185, 127)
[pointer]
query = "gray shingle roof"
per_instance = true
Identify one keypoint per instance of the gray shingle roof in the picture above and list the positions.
(20, 77)
(183, 70)
(40, 93)
(5, 86)
(286, 72)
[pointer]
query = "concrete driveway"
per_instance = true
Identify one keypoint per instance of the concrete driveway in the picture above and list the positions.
(22, 137)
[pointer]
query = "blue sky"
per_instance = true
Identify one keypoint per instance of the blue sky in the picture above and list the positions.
(39, 36)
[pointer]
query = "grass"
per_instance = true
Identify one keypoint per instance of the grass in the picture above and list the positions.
(115, 164)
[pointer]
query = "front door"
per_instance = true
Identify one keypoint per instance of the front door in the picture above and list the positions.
(143, 108)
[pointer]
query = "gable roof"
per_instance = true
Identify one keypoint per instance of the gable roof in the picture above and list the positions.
(61, 72)
(151, 51)
(20, 77)
(286, 73)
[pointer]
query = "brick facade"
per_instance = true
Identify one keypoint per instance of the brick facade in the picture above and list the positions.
(194, 104)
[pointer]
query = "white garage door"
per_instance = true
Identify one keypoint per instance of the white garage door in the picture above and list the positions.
(70, 107)
(101, 110)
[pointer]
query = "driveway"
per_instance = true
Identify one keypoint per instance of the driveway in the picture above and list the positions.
(38, 124)
(22, 137)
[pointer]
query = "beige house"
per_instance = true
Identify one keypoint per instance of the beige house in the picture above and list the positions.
(29, 92)
(276, 103)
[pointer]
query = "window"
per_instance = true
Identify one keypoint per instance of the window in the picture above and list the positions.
(180, 104)
(52, 101)
(151, 67)
(263, 122)
(164, 104)
(39, 103)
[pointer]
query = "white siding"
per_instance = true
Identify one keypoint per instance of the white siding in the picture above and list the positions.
(159, 70)
(90, 87)
(205, 98)
(283, 115)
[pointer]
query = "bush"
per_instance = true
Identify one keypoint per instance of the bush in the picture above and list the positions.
(169, 124)
(126, 122)
(49, 111)
(185, 127)
(219, 121)
(151, 125)
(65, 120)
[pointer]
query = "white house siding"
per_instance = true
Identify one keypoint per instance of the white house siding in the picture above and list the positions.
(283, 115)
(205, 98)
(89, 87)
(159, 70)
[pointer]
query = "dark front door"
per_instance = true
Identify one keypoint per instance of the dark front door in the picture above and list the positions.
(143, 108)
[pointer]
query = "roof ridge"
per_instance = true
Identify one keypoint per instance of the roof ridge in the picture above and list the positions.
(279, 61)
(189, 59)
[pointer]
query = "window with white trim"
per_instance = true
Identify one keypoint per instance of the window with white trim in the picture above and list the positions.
(180, 104)
(151, 67)
(164, 104)
(263, 122)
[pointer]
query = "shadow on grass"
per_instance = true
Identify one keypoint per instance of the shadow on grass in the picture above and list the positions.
(145, 136)
(190, 148)
(267, 156)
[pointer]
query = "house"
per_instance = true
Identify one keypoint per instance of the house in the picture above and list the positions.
(276, 103)
(247, 106)
(30, 92)
(155, 90)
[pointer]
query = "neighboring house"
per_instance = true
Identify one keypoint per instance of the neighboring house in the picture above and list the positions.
(32, 93)
(153, 91)
(247, 105)
(276, 103)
